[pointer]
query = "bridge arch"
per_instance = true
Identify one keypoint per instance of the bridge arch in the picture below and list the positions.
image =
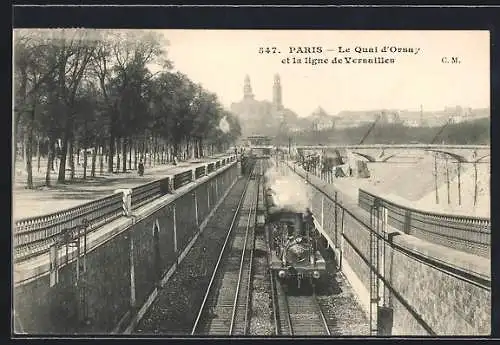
(483, 157)
(370, 158)
(459, 158)
(388, 157)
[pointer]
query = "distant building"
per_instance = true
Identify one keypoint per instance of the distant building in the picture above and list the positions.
(408, 118)
(263, 117)
(321, 120)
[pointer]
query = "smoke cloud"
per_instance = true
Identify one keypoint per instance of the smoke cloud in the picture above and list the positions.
(224, 125)
(289, 190)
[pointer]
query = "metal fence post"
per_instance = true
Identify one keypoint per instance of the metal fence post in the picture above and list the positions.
(174, 217)
(208, 194)
(322, 211)
(54, 269)
(383, 233)
(407, 224)
(336, 222)
(126, 201)
(196, 208)
(132, 272)
(341, 239)
(217, 187)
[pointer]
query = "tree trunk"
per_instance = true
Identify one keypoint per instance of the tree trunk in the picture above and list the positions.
(118, 149)
(78, 149)
(149, 151)
(64, 153)
(110, 152)
(155, 151)
(38, 153)
(101, 160)
(85, 162)
(50, 159)
(124, 154)
(176, 150)
(130, 144)
(143, 151)
(29, 149)
(136, 146)
(16, 136)
(94, 158)
(71, 159)
(25, 154)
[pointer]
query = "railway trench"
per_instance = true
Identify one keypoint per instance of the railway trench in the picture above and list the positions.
(334, 310)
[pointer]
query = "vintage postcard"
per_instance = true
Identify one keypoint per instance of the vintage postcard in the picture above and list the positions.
(322, 183)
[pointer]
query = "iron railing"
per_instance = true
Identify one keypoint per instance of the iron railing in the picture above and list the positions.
(466, 233)
(35, 235)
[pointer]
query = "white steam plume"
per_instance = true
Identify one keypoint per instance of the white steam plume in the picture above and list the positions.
(289, 191)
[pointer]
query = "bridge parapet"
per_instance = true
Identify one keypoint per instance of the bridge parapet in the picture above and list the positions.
(466, 233)
(384, 153)
(33, 236)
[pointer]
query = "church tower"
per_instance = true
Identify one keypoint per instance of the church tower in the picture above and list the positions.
(277, 101)
(247, 89)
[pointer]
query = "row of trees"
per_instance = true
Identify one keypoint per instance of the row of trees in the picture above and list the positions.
(465, 133)
(94, 90)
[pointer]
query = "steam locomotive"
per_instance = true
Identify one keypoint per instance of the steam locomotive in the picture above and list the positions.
(293, 242)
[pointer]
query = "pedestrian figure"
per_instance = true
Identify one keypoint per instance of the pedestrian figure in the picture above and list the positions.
(140, 168)
(175, 160)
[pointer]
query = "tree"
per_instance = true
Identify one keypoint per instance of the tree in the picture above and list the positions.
(86, 90)
(34, 68)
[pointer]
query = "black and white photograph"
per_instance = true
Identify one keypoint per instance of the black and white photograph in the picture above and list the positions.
(251, 183)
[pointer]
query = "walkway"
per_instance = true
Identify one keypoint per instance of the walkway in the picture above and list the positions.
(60, 196)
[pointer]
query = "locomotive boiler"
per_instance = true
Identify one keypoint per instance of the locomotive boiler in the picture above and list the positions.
(292, 240)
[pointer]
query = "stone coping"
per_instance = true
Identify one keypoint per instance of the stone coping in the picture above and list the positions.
(36, 267)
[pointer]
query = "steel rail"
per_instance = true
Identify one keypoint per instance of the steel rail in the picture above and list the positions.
(231, 227)
(240, 274)
(250, 272)
(320, 311)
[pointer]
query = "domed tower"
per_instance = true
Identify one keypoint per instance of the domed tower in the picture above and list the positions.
(277, 100)
(247, 89)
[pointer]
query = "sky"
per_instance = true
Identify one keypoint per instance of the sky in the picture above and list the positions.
(220, 59)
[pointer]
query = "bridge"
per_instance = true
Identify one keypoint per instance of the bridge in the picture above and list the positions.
(103, 265)
(384, 153)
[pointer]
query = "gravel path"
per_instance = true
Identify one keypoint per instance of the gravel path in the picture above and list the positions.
(45, 200)
(177, 304)
(339, 303)
(260, 321)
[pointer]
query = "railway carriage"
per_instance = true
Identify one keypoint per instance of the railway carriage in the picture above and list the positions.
(292, 242)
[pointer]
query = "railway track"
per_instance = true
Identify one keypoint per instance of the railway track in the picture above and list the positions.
(297, 315)
(225, 307)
